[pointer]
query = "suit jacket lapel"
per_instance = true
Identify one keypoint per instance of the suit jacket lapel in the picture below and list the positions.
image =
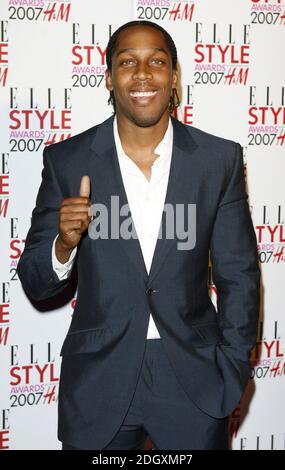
(184, 147)
(106, 180)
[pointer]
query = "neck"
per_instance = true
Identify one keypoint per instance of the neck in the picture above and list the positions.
(144, 139)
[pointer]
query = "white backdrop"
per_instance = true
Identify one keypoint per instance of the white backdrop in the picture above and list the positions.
(52, 63)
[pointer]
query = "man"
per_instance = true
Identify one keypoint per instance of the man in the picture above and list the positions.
(146, 352)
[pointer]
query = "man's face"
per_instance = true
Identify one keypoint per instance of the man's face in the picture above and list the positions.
(142, 77)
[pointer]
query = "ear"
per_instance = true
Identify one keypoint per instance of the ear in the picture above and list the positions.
(108, 80)
(174, 79)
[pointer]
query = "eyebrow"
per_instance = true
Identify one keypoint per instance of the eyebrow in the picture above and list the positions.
(156, 49)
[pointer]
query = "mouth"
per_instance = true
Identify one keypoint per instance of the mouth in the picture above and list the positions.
(143, 97)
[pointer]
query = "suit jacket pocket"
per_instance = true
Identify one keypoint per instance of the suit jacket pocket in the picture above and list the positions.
(210, 332)
(84, 341)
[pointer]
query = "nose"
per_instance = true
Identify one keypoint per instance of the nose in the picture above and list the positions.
(142, 72)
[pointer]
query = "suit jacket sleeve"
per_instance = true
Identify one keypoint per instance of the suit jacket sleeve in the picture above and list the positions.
(235, 267)
(35, 269)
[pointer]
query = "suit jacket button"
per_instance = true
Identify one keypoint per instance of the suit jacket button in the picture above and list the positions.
(150, 291)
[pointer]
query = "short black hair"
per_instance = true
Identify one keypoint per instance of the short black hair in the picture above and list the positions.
(112, 44)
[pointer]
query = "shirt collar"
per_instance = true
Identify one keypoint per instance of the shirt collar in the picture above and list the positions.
(163, 149)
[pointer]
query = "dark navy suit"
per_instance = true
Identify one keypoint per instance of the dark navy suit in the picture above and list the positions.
(103, 351)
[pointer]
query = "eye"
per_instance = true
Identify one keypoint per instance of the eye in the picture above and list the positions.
(127, 61)
(158, 61)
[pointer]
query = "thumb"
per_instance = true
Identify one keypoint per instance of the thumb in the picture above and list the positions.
(85, 186)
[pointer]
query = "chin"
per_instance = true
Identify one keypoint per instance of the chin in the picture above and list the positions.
(146, 121)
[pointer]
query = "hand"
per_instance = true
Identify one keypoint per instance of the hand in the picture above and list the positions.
(74, 218)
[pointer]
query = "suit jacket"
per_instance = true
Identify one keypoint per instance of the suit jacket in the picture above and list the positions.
(103, 350)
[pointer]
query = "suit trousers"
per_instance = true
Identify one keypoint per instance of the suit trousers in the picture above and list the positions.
(162, 410)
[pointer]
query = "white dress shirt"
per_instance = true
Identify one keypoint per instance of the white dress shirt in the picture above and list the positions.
(146, 201)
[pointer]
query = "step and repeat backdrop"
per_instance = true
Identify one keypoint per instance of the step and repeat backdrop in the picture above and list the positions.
(52, 86)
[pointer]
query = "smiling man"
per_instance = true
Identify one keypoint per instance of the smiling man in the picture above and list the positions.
(147, 353)
(142, 77)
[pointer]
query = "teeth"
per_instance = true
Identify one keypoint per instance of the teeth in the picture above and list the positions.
(142, 93)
